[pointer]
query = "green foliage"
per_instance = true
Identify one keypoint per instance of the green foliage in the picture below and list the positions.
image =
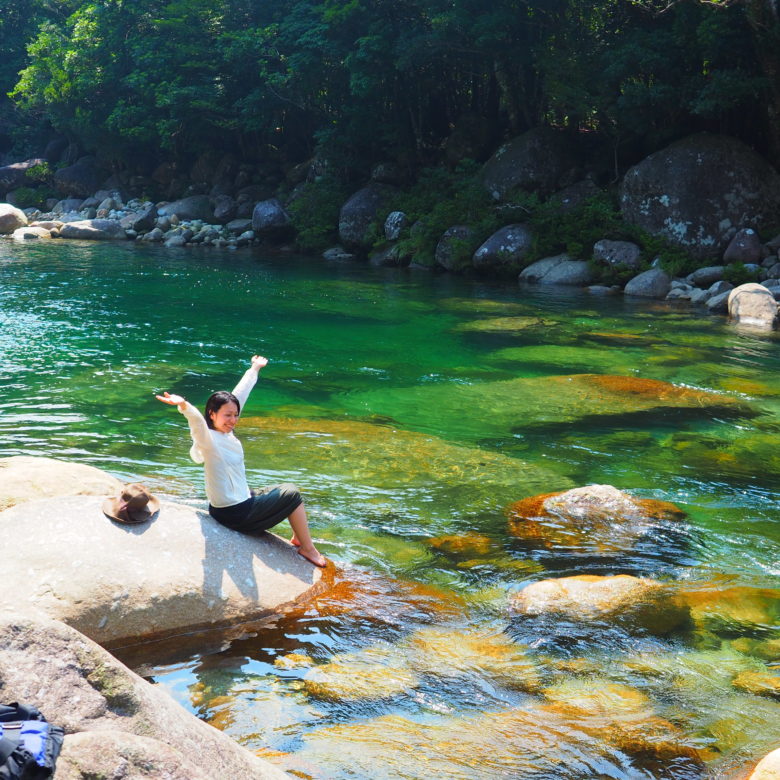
(674, 260)
(575, 230)
(315, 213)
(738, 273)
(439, 200)
(32, 197)
(39, 173)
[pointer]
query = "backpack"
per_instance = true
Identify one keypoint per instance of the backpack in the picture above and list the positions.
(29, 745)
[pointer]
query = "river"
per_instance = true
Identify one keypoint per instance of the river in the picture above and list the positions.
(412, 409)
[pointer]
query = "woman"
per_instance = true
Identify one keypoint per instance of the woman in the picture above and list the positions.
(231, 502)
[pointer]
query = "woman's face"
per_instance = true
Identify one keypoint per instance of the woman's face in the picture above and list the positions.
(225, 418)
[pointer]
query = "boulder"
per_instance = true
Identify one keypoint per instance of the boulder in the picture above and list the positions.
(239, 225)
(768, 768)
(141, 221)
(69, 206)
(698, 191)
(192, 207)
(116, 724)
(537, 161)
(359, 212)
(754, 305)
(717, 304)
(396, 221)
(30, 233)
(24, 478)
(623, 254)
(337, 253)
(633, 602)
(93, 229)
(15, 175)
(455, 248)
(653, 283)
(11, 218)
(270, 220)
(575, 195)
(80, 179)
(596, 519)
(225, 209)
(154, 235)
(389, 256)
(560, 269)
(179, 571)
(745, 247)
(505, 250)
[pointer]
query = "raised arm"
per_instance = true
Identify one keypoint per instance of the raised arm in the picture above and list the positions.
(198, 428)
(247, 382)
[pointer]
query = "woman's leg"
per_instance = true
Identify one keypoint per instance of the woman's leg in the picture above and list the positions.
(302, 537)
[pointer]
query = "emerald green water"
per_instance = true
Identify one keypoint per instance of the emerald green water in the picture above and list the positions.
(407, 407)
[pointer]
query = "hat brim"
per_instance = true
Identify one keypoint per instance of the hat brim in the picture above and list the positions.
(111, 511)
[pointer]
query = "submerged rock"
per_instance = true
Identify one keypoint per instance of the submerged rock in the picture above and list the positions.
(735, 610)
(443, 652)
(758, 683)
(376, 672)
(549, 402)
(633, 602)
(501, 325)
(353, 453)
(532, 741)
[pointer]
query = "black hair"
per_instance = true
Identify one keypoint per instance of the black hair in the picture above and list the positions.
(216, 402)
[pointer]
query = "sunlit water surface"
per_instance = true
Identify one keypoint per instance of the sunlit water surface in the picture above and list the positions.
(412, 409)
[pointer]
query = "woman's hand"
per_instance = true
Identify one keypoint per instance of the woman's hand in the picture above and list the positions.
(258, 362)
(173, 400)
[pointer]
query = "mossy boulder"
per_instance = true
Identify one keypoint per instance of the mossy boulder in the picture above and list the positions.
(599, 518)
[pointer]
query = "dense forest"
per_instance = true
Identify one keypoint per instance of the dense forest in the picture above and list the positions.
(356, 82)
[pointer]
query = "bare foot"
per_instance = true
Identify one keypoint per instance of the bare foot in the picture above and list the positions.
(313, 556)
(294, 541)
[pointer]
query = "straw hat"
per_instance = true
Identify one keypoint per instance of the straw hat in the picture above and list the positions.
(134, 504)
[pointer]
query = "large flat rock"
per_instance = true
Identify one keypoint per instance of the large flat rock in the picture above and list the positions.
(24, 478)
(116, 724)
(117, 583)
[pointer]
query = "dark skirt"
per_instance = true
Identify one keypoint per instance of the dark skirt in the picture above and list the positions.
(262, 511)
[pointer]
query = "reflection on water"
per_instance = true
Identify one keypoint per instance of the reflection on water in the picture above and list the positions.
(412, 410)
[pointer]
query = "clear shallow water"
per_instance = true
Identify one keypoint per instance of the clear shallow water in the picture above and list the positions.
(411, 407)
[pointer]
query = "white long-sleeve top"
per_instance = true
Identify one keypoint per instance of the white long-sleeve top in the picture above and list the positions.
(220, 453)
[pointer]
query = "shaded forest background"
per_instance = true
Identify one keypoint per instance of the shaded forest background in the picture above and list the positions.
(356, 82)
